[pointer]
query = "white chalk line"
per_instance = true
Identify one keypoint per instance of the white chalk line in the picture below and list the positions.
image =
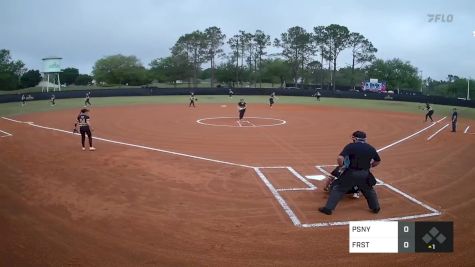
(279, 122)
(438, 131)
(239, 122)
(139, 146)
(6, 134)
(279, 198)
(434, 212)
(340, 223)
(309, 185)
(252, 124)
(407, 137)
(274, 191)
(466, 129)
(301, 178)
(296, 221)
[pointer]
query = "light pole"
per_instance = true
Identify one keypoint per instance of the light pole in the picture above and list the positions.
(421, 81)
(468, 88)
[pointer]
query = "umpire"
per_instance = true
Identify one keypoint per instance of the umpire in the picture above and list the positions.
(362, 157)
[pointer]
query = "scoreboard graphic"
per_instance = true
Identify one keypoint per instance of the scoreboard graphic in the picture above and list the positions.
(400, 237)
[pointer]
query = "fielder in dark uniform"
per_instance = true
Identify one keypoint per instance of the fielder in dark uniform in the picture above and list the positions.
(192, 100)
(454, 120)
(87, 101)
(231, 93)
(85, 127)
(271, 99)
(242, 108)
(52, 100)
(430, 112)
(361, 157)
(23, 100)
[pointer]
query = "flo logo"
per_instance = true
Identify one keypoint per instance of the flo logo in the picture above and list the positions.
(440, 18)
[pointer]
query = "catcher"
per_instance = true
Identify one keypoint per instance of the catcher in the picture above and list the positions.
(336, 173)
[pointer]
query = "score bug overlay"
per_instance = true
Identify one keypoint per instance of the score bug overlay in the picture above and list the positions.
(400, 237)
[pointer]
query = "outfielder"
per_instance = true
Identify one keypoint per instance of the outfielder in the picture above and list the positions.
(52, 100)
(87, 100)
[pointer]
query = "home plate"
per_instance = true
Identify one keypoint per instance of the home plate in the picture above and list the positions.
(316, 177)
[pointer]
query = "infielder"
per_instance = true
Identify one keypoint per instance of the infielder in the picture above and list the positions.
(241, 108)
(271, 99)
(85, 127)
(430, 112)
(192, 100)
(454, 120)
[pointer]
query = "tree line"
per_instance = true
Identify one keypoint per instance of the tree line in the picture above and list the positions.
(303, 57)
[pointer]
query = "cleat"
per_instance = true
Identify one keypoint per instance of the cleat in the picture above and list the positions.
(92, 148)
(375, 211)
(83, 148)
(356, 195)
(325, 210)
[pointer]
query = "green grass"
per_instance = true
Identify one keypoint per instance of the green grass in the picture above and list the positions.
(10, 109)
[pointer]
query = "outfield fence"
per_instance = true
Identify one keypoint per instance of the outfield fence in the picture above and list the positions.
(154, 91)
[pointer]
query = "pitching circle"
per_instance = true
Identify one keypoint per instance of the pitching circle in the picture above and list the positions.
(251, 122)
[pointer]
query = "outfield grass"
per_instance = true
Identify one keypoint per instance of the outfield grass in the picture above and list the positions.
(10, 109)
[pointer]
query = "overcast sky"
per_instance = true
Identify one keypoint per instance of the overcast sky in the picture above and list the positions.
(82, 31)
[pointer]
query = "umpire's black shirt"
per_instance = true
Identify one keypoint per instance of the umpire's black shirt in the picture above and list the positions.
(360, 155)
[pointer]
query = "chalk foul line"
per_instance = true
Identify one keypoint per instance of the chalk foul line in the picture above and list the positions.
(136, 146)
(275, 192)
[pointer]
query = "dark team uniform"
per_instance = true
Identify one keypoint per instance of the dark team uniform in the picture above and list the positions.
(242, 109)
(87, 101)
(318, 96)
(231, 93)
(83, 123)
(429, 113)
(192, 100)
(52, 100)
(23, 100)
(454, 120)
(360, 155)
(271, 100)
